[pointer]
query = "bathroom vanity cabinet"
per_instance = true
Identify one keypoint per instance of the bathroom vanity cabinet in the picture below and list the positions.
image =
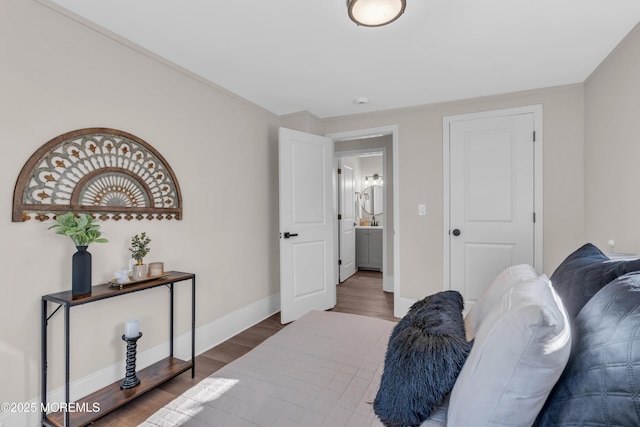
(369, 248)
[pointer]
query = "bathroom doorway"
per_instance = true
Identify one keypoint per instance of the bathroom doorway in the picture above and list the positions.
(360, 213)
(365, 222)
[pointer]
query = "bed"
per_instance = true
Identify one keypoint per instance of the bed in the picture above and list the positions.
(321, 370)
(328, 368)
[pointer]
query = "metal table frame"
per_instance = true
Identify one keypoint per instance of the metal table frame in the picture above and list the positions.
(101, 292)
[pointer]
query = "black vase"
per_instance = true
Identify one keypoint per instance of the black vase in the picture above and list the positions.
(81, 273)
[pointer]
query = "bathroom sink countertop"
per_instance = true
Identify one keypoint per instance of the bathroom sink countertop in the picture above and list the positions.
(370, 226)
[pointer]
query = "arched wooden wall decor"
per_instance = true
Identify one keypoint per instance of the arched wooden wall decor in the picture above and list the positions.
(105, 172)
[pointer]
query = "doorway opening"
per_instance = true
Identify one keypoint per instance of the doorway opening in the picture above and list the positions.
(361, 210)
(380, 142)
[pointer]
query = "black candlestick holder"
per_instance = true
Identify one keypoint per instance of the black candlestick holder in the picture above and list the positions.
(131, 380)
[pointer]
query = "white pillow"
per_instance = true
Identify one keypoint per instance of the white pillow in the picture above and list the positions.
(520, 350)
(504, 281)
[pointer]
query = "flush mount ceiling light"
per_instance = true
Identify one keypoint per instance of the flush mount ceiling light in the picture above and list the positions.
(375, 13)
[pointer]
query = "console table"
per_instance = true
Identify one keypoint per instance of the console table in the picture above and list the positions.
(112, 397)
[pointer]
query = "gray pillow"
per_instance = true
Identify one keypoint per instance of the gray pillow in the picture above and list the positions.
(426, 351)
(601, 383)
(585, 272)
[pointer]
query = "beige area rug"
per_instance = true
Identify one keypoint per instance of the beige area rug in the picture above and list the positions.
(322, 370)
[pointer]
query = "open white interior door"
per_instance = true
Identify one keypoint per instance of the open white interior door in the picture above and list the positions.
(347, 219)
(307, 224)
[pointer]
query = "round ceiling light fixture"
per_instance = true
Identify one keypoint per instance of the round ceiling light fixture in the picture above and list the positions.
(375, 13)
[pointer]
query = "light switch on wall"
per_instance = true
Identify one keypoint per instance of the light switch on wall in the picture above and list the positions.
(422, 209)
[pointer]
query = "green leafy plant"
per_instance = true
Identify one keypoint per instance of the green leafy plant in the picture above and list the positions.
(140, 246)
(81, 228)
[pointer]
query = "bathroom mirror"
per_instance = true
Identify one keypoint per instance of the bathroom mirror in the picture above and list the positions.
(372, 199)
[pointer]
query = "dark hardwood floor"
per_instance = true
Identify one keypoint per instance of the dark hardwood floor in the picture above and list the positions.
(360, 294)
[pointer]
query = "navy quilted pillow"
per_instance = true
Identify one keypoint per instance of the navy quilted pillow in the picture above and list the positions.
(584, 273)
(426, 351)
(601, 383)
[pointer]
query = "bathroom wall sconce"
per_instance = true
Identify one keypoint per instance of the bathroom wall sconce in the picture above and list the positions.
(375, 179)
(375, 13)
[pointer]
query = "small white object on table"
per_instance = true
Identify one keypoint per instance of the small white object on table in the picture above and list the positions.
(132, 329)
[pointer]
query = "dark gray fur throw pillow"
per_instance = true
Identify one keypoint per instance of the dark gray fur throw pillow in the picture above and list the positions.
(426, 351)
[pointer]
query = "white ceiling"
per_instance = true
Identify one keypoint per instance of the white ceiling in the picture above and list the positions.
(294, 55)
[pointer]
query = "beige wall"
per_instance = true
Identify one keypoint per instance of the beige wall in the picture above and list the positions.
(612, 148)
(420, 177)
(58, 75)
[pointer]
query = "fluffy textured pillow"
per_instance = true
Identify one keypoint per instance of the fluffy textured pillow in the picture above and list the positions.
(504, 281)
(519, 352)
(426, 351)
(601, 384)
(584, 273)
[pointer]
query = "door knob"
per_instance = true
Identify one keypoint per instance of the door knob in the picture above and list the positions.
(455, 232)
(287, 234)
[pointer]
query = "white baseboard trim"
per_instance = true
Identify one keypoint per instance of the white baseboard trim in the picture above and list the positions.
(403, 306)
(207, 336)
(213, 333)
(387, 283)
